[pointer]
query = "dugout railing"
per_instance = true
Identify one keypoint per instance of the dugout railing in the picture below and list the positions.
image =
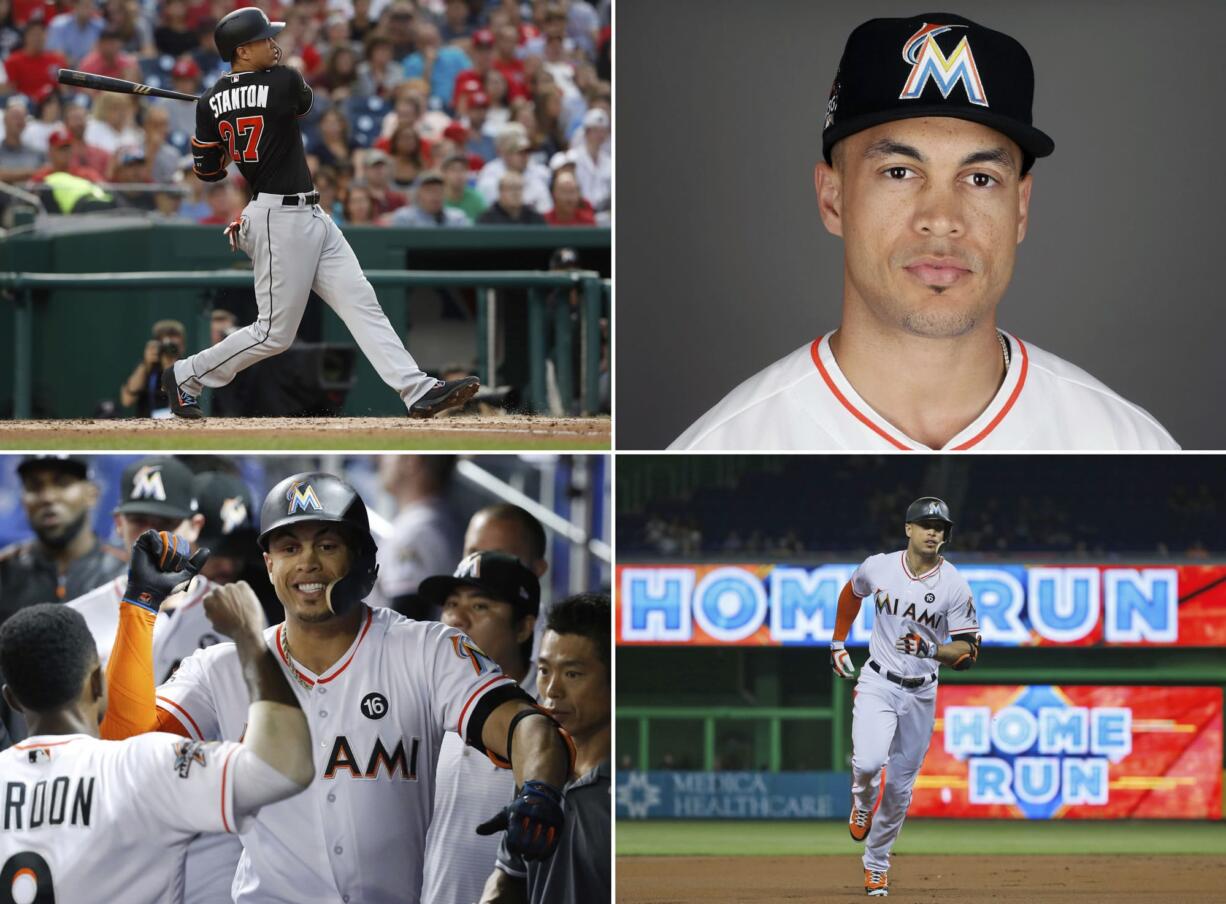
(592, 300)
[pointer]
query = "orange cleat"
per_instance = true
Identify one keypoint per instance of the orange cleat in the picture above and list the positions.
(876, 884)
(859, 823)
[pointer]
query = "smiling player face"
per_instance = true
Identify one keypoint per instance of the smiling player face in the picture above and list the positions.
(302, 561)
(931, 211)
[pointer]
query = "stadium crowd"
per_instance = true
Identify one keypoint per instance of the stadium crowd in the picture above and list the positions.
(853, 506)
(432, 113)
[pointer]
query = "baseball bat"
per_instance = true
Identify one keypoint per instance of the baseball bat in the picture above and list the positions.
(118, 85)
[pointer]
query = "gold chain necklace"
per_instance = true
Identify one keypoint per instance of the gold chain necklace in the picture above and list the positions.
(1004, 348)
(289, 660)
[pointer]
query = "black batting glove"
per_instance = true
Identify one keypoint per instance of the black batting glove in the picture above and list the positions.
(161, 564)
(533, 821)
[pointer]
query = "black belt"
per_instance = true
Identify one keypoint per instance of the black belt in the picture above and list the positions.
(899, 679)
(294, 200)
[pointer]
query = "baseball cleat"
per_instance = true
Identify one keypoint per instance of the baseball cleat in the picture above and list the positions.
(876, 884)
(444, 396)
(182, 404)
(859, 823)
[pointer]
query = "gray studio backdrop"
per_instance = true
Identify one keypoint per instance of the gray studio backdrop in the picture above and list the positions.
(723, 265)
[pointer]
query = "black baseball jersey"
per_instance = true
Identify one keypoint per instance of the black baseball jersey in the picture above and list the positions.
(254, 116)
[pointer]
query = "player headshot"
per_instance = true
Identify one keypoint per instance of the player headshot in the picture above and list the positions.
(919, 601)
(927, 177)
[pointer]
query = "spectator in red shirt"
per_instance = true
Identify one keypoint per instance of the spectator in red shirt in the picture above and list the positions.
(569, 208)
(470, 81)
(383, 197)
(59, 159)
(32, 67)
(507, 61)
(84, 154)
(225, 204)
(107, 58)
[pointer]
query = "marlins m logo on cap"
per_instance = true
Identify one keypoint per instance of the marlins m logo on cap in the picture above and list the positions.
(233, 514)
(302, 498)
(147, 483)
(928, 61)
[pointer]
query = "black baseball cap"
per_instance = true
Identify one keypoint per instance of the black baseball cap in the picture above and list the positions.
(228, 508)
(159, 485)
(935, 64)
(77, 465)
(499, 575)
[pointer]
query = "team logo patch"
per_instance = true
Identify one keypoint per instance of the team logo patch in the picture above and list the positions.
(470, 567)
(147, 484)
(233, 514)
(930, 598)
(374, 705)
(186, 753)
(832, 105)
(40, 755)
(466, 649)
(302, 498)
(928, 61)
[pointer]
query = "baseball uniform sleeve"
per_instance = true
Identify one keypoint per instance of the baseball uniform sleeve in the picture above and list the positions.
(861, 583)
(962, 618)
(188, 696)
(466, 682)
(180, 784)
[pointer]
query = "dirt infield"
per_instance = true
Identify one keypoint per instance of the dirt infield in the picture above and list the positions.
(483, 432)
(1082, 879)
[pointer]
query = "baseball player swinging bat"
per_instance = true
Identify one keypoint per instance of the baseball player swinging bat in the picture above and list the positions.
(118, 85)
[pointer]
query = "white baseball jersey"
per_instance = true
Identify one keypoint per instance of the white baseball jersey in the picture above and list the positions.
(427, 539)
(934, 605)
(377, 719)
(469, 790)
(93, 820)
(804, 402)
(177, 633)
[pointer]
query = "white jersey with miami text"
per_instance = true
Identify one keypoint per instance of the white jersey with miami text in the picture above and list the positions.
(92, 820)
(804, 402)
(377, 719)
(934, 605)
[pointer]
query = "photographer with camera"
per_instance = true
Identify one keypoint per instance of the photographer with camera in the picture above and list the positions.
(143, 388)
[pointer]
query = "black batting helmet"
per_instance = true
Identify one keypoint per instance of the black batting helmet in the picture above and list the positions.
(242, 27)
(930, 508)
(316, 496)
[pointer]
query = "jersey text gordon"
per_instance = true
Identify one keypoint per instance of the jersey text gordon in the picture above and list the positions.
(55, 803)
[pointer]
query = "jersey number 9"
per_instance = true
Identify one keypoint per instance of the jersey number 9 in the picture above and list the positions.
(22, 874)
(250, 126)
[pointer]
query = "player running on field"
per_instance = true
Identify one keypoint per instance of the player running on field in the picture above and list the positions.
(250, 116)
(94, 820)
(379, 691)
(919, 600)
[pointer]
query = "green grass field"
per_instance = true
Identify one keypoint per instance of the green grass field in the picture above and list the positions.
(920, 836)
(298, 442)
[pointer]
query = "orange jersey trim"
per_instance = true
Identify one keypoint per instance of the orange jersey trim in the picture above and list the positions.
(204, 144)
(862, 418)
(475, 694)
(48, 744)
(344, 665)
(1017, 390)
(225, 768)
(164, 703)
(907, 571)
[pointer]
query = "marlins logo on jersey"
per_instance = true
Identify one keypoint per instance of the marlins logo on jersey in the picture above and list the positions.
(928, 61)
(147, 484)
(302, 498)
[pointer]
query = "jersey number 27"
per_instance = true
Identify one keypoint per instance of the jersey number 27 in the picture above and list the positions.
(252, 127)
